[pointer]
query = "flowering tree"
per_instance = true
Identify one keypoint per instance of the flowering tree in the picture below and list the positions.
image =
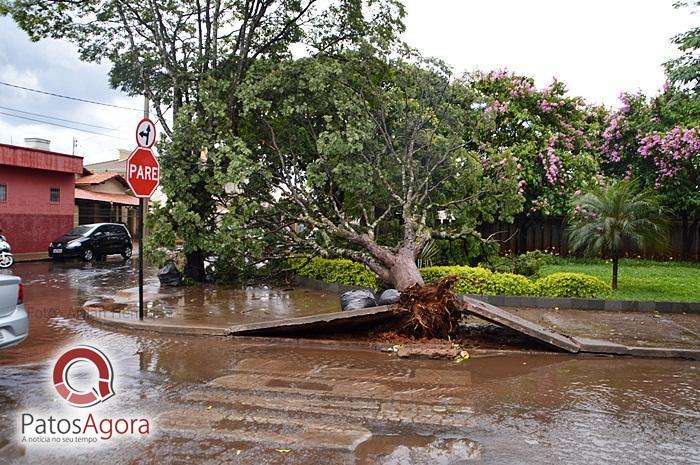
(552, 136)
(656, 142)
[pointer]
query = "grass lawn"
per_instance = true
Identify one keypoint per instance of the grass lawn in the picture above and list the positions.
(640, 279)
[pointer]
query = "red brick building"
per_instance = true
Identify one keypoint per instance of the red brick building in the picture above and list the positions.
(37, 198)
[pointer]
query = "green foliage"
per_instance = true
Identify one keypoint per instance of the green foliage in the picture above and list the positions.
(654, 141)
(474, 280)
(527, 264)
(604, 219)
(380, 147)
(574, 285)
(480, 280)
(338, 271)
(468, 251)
(552, 135)
(640, 279)
(685, 69)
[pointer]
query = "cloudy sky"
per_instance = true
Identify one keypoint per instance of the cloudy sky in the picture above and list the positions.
(598, 47)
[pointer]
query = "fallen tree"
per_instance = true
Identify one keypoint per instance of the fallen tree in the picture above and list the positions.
(368, 158)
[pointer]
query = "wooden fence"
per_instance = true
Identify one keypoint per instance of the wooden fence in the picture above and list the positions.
(551, 235)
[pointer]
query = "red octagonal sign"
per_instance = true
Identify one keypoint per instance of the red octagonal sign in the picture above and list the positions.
(142, 172)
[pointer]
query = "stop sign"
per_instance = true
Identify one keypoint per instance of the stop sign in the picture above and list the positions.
(142, 172)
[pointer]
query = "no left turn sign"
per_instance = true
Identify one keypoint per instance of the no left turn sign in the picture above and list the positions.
(145, 133)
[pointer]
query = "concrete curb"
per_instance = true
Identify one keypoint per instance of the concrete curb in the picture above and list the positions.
(129, 321)
(635, 306)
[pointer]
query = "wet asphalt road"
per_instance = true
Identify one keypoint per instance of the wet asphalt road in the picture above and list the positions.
(256, 401)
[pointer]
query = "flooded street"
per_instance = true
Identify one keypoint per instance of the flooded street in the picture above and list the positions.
(262, 401)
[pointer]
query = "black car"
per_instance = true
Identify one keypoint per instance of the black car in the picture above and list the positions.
(89, 241)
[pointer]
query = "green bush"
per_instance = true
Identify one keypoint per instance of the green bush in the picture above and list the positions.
(480, 280)
(474, 280)
(576, 285)
(338, 271)
(527, 264)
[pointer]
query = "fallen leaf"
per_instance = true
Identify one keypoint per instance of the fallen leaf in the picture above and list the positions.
(283, 451)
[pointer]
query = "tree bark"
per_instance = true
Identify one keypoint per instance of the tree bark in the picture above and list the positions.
(404, 272)
(524, 224)
(616, 262)
(194, 266)
(688, 237)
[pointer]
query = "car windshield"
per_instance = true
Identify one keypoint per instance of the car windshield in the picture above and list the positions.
(80, 230)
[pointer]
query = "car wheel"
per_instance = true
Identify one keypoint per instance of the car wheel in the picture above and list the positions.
(127, 252)
(88, 255)
(6, 261)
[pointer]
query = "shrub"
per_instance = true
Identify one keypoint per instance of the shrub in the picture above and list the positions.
(526, 264)
(475, 280)
(576, 285)
(480, 280)
(338, 271)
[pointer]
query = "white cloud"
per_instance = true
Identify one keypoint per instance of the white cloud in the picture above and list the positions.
(599, 48)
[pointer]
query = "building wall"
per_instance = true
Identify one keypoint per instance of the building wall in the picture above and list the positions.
(110, 187)
(29, 220)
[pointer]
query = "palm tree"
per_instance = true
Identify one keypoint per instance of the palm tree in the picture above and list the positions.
(608, 217)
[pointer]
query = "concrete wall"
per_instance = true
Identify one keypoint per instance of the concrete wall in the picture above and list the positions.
(110, 187)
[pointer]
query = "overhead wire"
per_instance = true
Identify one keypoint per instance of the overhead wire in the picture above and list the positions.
(57, 118)
(94, 102)
(62, 126)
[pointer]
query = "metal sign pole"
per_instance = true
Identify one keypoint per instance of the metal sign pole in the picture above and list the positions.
(142, 212)
(142, 209)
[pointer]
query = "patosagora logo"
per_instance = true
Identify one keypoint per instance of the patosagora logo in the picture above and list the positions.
(63, 428)
(99, 393)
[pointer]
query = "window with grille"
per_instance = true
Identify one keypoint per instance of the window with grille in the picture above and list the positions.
(54, 195)
(3, 192)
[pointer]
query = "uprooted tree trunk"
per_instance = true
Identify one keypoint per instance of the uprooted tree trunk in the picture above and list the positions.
(402, 271)
(430, 311)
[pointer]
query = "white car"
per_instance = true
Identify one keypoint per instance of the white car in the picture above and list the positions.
(14, 322)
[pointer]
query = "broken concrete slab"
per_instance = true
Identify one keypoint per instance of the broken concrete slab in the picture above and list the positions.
(502, 317)
(598, 346)
(348, 321)
(359, 319)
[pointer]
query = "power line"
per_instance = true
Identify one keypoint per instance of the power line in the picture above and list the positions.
(69, 97)
(56, 118)
(62, 126)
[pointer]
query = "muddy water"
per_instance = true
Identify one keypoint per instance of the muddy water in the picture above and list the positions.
(518, 409)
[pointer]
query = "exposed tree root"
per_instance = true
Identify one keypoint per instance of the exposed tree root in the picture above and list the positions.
(431, 311)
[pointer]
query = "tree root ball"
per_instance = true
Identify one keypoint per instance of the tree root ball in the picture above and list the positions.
(431, 311)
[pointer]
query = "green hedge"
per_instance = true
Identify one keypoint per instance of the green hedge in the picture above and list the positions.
(481, 280)
(575, 285)
(337, 271)
(475, 280)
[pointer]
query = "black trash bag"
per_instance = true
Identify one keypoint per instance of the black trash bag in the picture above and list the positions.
(355, 300)
(388, 297)
(169, 275)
